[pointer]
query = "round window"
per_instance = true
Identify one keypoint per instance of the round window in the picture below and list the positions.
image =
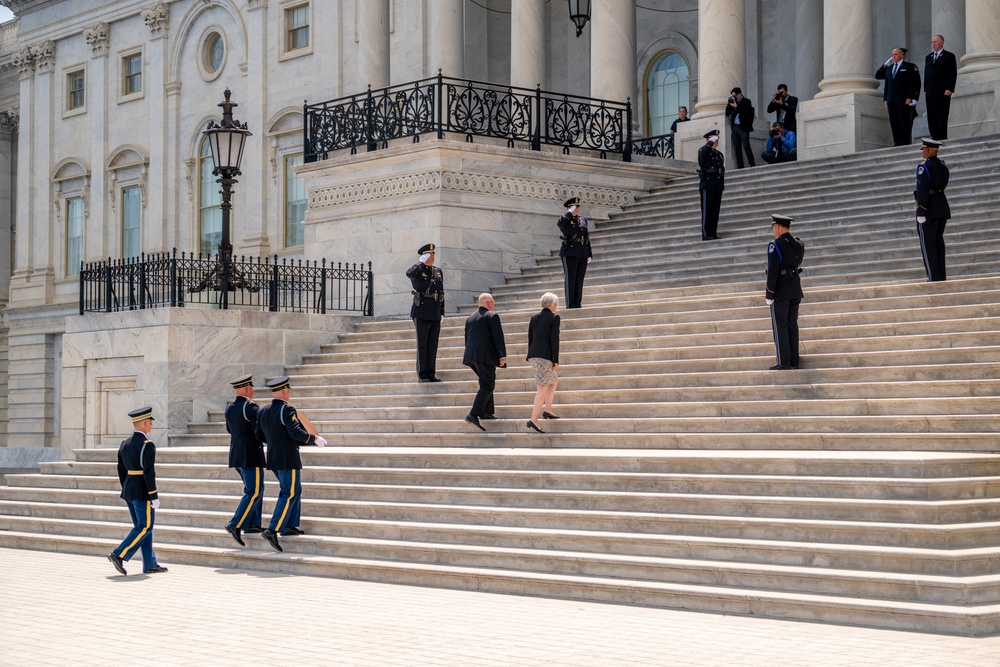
(215, 52)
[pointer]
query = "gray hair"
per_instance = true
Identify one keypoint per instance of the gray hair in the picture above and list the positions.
(549, 299)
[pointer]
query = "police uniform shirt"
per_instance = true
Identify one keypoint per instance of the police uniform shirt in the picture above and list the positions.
(278, 425)
(784, 255)
(428, 281)
(932, 179)
(245, 450)
(136, 460)
(711, 169)
(576, 236)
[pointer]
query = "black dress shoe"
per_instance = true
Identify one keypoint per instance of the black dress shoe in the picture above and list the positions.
(117, 562)
(235, 532)
(253, 530)
(155, 570)
(435, 379)
(549, 415)
(534, 426)
(423, 379)
(474, 420)
(779, 367)
(292, 532)
(490, 416)
(272, 539)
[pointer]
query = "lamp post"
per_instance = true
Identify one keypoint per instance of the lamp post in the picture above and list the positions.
(579, 14)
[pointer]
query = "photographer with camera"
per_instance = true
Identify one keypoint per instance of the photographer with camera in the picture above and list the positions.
(784, 106)
(740, 112)
(780, 145)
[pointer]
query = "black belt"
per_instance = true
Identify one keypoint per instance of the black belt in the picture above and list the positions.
(790, 272)
(935, 192)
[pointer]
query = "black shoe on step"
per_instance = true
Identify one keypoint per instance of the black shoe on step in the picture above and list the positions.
(117, 562)
(155, 570)
(549, 415)
(272, 539)
(254, 530)
(534, 426)
(292, 532)
(235, 532)
(474, 420)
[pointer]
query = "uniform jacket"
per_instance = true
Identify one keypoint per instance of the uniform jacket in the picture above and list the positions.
(543, 336)
(428, 282)
(905, 85)
(932, 179)
(789, 105)
(136, 461)
(711, 169)
(245, 450)
(743, 110)
(484, 338)
(941, 75)
(575, 236)
(278, 425)
(784, 255)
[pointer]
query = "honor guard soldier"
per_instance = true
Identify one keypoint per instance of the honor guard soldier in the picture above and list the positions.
(278, 425)
(246, 454)
(137, 474)
(427, 311)
(575, 252)
(712, 175)
(784, 291)
(932, 209)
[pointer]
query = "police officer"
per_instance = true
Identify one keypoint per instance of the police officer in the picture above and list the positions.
(712, 174)
(427, 311)
(932, 209)
(575, 252)
(278, 425)
(246, 454)
(137, 475)
(784, 291)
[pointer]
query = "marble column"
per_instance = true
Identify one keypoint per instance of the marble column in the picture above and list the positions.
(373, 43)
(103, 229)
(975, 107)
(948, 20)
(848, 51)
(612, 50)
(155, 230)
(446, 38)
(982, 36)
(8, 139)
(527, 43)
(251, 236)
(809, 48)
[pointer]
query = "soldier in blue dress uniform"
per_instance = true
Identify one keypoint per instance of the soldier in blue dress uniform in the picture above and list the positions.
(784, 291)
(712, 181)
(280, 427)
(427, 311)
(575, 251)
(246, 454)
(932, 209)
(137, 475)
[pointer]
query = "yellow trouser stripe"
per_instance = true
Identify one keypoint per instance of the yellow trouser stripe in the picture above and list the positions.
(142, 533)
(135, 472)
(253, 499)
(291, 494)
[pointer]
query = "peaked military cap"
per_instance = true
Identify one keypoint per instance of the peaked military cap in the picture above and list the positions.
(277, 384)
(931, 143)
(240, 382)
(572, 201)
(141, 414)
(783, 220)
(711, 133)
(427, 247)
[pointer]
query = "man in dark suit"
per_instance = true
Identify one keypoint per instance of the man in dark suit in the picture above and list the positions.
(940, 76)
(783, 106)
(137, 475)
(427, 311)
(246, 454)
(711, 183)
(783, 292)
(900, 94)
(932, 209)
(484, 352)
(280, 427)
(740, 113)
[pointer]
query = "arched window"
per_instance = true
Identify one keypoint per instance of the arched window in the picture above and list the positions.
(209, 203)
(666, 89)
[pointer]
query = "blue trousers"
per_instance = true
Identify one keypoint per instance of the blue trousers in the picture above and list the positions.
(140, 538)
(249, 510)
(288, 509)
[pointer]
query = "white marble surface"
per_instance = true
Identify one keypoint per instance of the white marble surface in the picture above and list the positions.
(612, 53)
(446, 38)
(527, 43)
(373, 43)
(848, 58)
(722, 57)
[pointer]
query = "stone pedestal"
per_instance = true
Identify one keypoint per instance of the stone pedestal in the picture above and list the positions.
(975, 107)
(489, 209)
(841, 125)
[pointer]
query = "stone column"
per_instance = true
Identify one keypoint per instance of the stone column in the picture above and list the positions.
(809, 48)
(373, 43)
(527, 43)
(251, 236)
(8, 139)
(976, 102)
(155, 230)
(612, 50)
(102, 237)
(948, 20)
(446, 38)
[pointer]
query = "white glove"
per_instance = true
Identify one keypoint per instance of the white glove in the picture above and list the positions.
(769, 301)
(588, 259)
(156, 504)
(921, 219)
(887, 62)
(320, 441)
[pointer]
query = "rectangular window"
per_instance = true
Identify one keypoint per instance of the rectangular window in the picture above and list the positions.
(132, 74)
(209, 204)
(131, 222)
(297, 27)
(295, 203)
(75, 90)
(74, 235)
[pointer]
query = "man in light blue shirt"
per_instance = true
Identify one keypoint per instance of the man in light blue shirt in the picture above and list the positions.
(780, 145)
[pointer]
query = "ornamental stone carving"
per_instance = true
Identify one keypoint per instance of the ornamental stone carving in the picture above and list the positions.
(24, 61)
(45, 56)
(256, 4)
(9, 122)
(98, 36)
(157, 17)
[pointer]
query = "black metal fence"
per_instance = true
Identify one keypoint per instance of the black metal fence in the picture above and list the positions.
(267, 284)
(475, 109)
(658, 146)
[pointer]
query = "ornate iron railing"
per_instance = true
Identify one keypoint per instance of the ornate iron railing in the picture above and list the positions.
(658, 146)
(472, 108)
(267, 284)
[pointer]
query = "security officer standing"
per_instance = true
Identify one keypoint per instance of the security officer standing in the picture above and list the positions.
(137, 475)
(246, 454)
(932, 209)
(427, 311)
(712, 174)
(278, 425)
(784, 291)
(575, 252)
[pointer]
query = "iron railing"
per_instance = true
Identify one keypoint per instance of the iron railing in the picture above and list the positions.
(267, 284)
(659, 146)
(476, 109)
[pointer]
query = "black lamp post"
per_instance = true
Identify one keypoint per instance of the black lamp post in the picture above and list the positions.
(579, 14)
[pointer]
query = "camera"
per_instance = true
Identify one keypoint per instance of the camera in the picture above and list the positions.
(777, 97)
(732, 100)
(775, 132)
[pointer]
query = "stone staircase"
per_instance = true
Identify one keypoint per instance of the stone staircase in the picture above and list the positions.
(863, 488)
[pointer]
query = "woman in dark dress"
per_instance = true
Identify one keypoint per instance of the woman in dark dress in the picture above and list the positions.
(543, 355)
